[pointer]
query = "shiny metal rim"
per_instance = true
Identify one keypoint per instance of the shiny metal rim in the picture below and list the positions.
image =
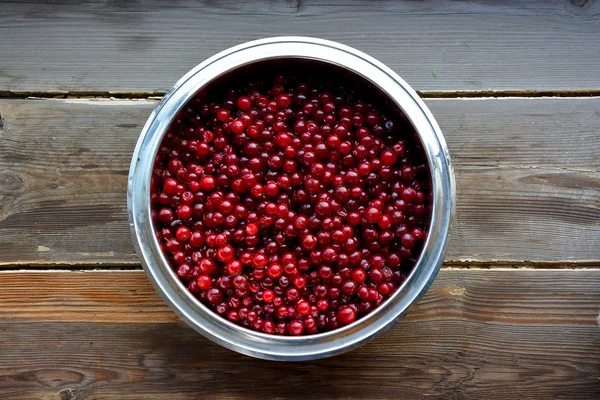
(224, 332)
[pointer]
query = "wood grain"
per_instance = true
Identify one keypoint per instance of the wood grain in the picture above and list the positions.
(514, 334)
(145, 46)
(527, 176)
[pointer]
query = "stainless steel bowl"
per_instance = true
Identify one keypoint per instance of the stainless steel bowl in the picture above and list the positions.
(206, 321)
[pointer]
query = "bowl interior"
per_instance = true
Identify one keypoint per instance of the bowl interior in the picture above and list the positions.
(330, 77)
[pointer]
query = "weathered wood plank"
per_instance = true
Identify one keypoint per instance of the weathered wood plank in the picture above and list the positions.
(436, 45)
(476, 334)
(527, 173)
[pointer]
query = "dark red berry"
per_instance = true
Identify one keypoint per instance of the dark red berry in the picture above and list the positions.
(346, 315)
(204, 282)
(296, 327)
(208, 183)
(244, 103)
(225, 254)
(223, 115)
(237, 127)
(165, 215)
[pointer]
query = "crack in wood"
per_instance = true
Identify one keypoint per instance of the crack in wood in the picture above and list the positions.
(428, 94)
(450, 266)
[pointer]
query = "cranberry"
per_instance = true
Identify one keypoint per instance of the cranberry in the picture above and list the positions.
(244, 103)
(353, 219)
(183, 234)
(349, 288)
(259, 261)
(234, 267)
(274, 271)
(302, 308)
(208, 183)
(184, 271)
(225, 254)
(408, 241)
(309, 242)
(372, 215)
(223, 115)
(251, 229)
(296, 327)
(346, 315)
(268, 296)
(388, 157)
(237, 127)
(204, 282)
(165, 215)
(214, 296)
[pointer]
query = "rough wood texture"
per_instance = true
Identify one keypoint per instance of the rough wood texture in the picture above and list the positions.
(434, 45)
(527, 175)
(514, 334)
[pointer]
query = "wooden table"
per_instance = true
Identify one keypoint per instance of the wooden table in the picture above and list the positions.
(515, 88)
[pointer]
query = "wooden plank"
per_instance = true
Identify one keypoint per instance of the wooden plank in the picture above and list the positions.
(527, 176)
(435, 45)
(476, 334)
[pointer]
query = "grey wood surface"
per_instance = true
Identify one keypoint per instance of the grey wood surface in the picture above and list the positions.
(145, 46)
(527, 168)
(476, 334)
(527, 174)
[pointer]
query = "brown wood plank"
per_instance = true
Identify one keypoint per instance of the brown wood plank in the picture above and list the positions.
(435, 45)
(527, 176)
(514, 334)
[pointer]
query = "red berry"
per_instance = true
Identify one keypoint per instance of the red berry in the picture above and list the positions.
(235, 267)
(223, 115)
(372, 215)
(237, 127)
(184, 271)
(170, 186)
(252, 229)
(296, 328)
(283, 140)
(244, 103)
(225, 254)
(208, 183)
(408, 241)
(214, 296)
(268, 296)
(283, 101)
(303, 307)
(346, 315)
(183, 234)
(359, 275)
(259, 261)
(196, 239)
(271, 189)
(349, 288)
(184, 211)
(165, 215)
(204, 282)
(206, 266)
(388, 157)
(309, 242)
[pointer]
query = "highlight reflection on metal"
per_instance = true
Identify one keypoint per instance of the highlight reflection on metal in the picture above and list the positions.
(258, 344)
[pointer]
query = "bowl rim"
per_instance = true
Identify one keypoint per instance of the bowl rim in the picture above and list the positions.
(222, 331)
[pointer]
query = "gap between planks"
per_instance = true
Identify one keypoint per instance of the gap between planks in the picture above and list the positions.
(426, 94)
(449, 266)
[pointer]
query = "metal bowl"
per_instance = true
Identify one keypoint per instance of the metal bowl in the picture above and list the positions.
(219, 329)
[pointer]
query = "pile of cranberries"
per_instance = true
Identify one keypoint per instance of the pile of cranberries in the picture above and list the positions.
(290, 208)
